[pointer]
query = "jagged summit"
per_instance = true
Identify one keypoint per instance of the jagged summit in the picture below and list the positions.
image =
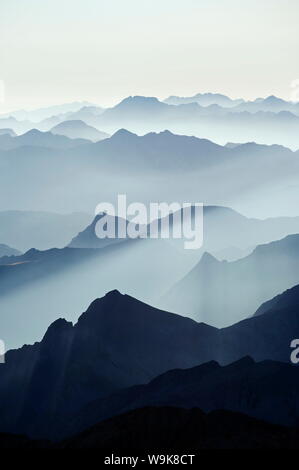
(56, 328)
(113, 294)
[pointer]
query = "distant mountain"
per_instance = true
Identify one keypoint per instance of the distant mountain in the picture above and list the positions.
(214, 291)
(79, 372)
(239, 234)
(136, 104)
(73, 276)
(6, 250)
(94, 167)
(10, 132)
(18, 126)
(271, 104)
(43, 113)
(40, 230)
(229, 235)
(232, 145)
(89, 239)
(205, 99)
(35, 138)
(220, 124)
(78, 130)
(266, 121)
(88, 114)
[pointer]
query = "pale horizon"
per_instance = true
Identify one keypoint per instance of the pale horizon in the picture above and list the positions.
(114, 102)
(103, 51)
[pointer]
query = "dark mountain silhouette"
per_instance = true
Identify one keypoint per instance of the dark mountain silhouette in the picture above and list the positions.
(40, 230)
(77, 129)
(15, 441)
(6, 250)
(169, 428)
(120, 342)
(288, 300)
(214, 291)
(178, 429)
(267, 390)
(116, 343)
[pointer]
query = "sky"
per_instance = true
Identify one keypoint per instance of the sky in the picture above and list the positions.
(56, 51)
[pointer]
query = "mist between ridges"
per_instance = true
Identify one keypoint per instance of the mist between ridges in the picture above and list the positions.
(156, 220)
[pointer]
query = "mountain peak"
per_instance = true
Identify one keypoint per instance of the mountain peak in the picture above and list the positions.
(110, 297)
(140, 99)
(33, 133)
(123, 133)
(207, 258)
(56, 328)
(273, 99)
(141, 102)
(113, 294)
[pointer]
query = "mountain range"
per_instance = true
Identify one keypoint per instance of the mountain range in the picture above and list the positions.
(90, 266)
(205, 99)
(146, 114)
(172, 429)
(84, 373)
(84, 174)
(268, 104)
(6, 250)
(47, 112)
(213, 116)
(214, 291)
(77, 129)
(35, 138)
(175, 430)
(41, 230)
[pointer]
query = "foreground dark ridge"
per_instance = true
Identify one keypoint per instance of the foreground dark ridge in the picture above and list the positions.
(117, 343)
(169, 428)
